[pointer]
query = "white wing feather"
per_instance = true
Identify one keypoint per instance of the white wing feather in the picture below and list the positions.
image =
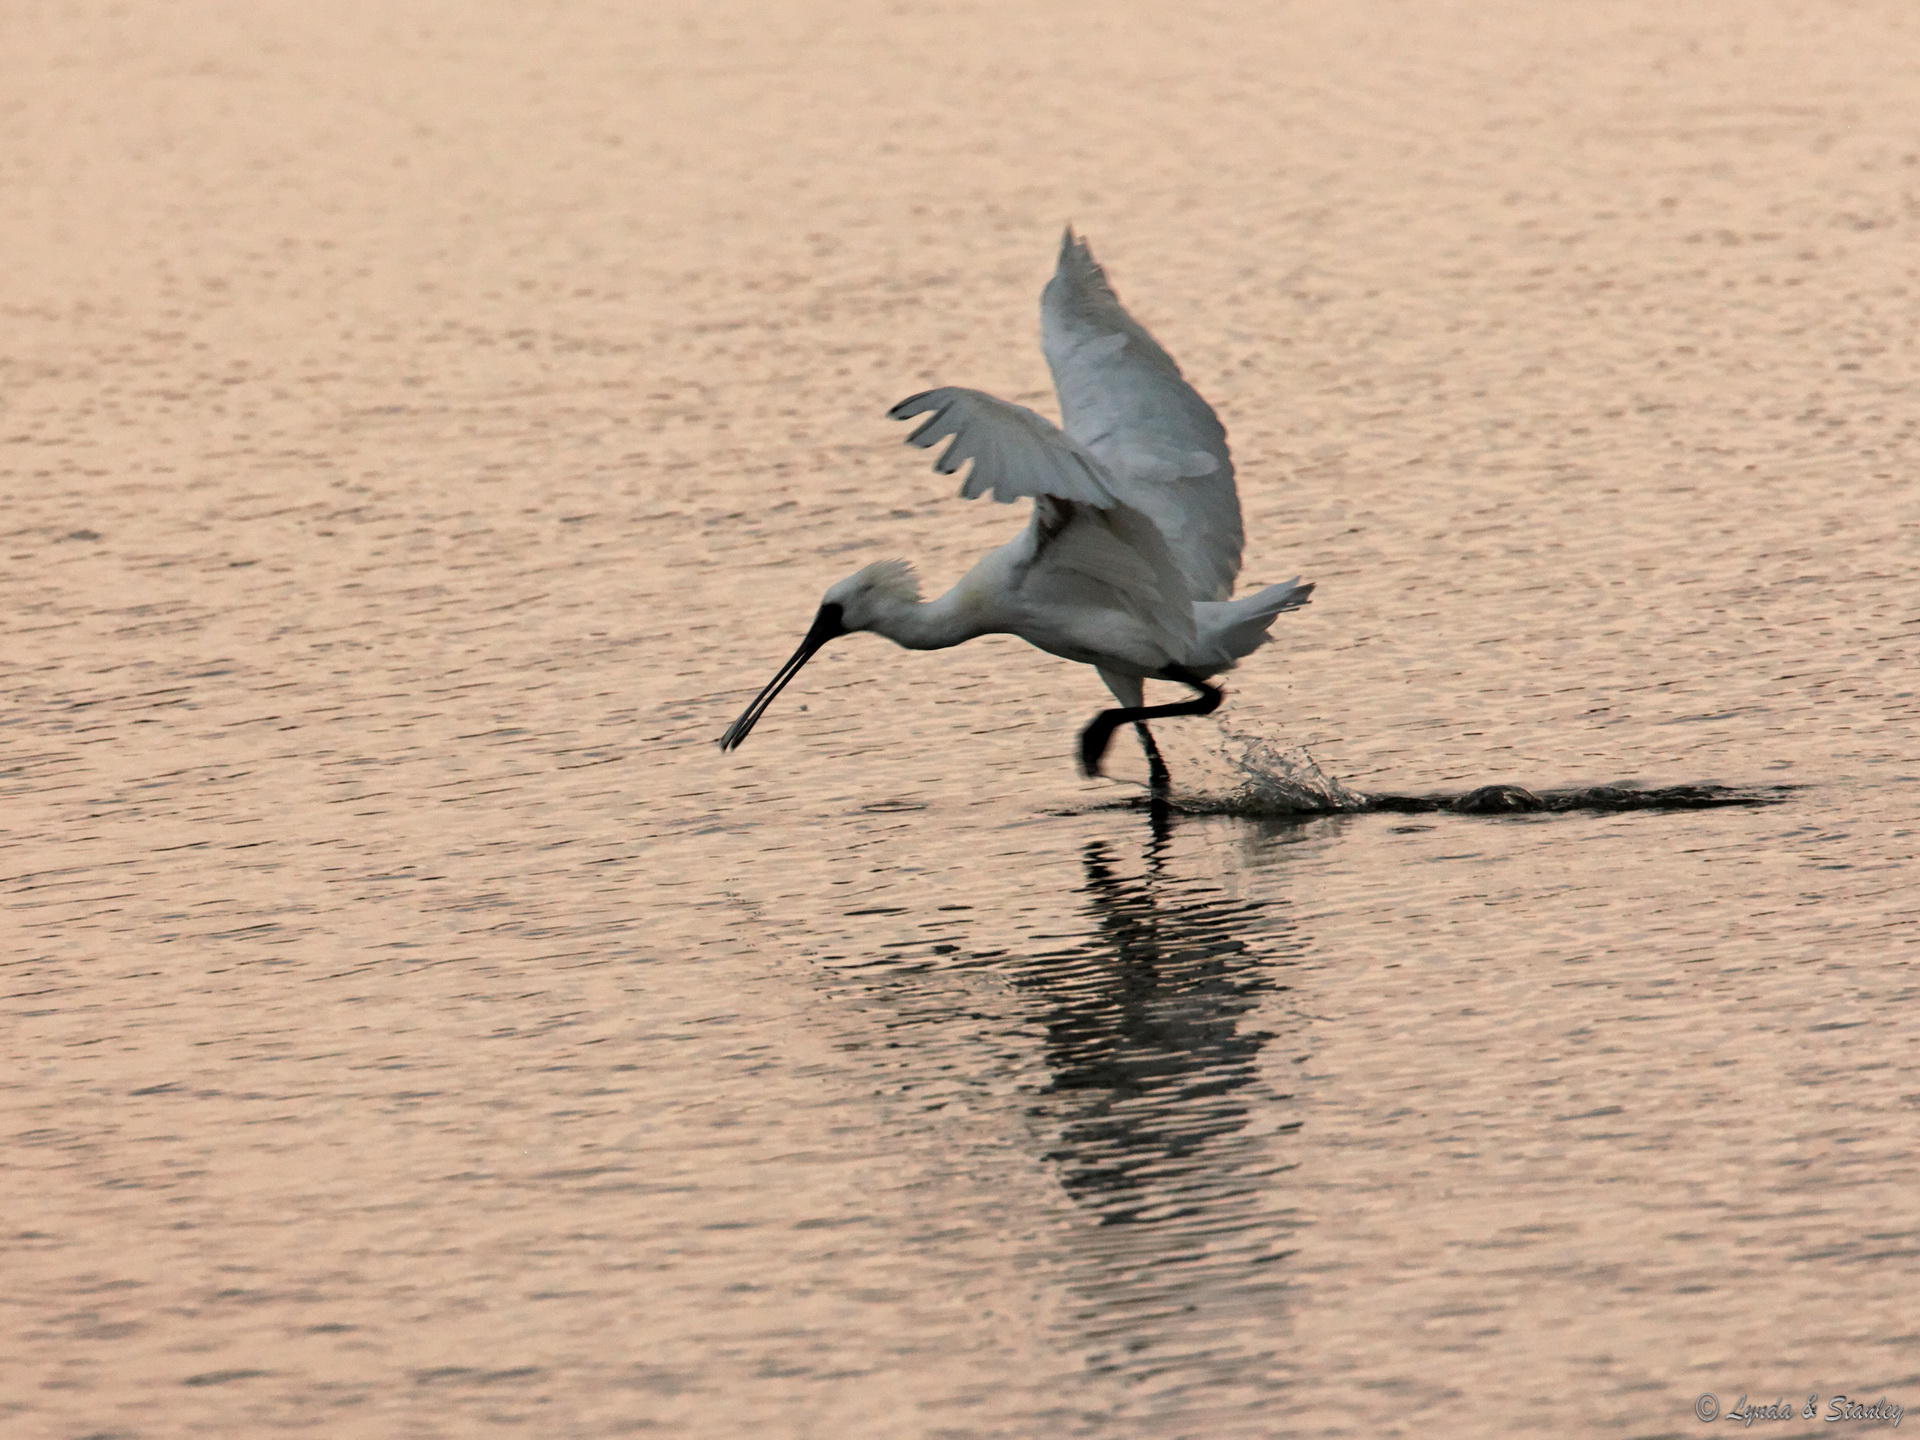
(1084, 549)
(1085, 559)
(1016, 453)
(1123, 400)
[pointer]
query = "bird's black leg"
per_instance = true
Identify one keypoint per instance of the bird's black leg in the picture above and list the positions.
(1157, 777)
(1099, 731)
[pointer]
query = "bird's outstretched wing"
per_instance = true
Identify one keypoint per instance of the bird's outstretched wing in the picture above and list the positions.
(1161, 448)
(1085, 548)
(1016, 454)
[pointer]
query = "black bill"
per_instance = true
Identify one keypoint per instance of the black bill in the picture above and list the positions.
(826, 626)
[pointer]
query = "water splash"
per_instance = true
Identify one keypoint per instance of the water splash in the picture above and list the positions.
(1237, 774)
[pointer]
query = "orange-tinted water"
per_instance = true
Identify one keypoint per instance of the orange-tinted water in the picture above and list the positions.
(425, 427)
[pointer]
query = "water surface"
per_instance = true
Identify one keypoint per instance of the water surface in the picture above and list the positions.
(426, 428)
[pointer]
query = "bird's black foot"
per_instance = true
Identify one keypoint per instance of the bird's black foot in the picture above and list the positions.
(1099, 732)
(1095, 739)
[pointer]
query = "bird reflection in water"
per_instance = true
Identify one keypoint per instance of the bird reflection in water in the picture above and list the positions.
(1170, 1132)
(1151, 1040)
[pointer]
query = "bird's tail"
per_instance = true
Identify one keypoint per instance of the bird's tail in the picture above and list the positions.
(1234, 629)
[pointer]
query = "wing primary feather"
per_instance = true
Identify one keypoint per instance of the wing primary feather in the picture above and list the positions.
(1125, 402)
(1014, 453)
(909, 407)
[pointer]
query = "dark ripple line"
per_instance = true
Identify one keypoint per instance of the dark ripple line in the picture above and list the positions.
(1518, 800)
(1496, 799)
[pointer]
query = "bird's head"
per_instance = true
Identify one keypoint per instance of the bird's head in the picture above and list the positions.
(858, 602)
(870, 593)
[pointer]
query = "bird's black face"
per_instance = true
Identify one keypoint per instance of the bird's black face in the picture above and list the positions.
(829, 624)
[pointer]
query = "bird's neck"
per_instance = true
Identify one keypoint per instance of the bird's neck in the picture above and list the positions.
(931, 624)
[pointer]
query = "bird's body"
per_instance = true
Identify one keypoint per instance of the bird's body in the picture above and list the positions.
(1135, 538)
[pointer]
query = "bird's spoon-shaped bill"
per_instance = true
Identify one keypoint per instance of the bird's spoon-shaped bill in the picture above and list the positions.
(826, 626)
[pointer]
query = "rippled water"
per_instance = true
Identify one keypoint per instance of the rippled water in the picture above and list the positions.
(425, 428)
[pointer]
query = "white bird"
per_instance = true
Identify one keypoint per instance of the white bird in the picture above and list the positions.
(1135, 540)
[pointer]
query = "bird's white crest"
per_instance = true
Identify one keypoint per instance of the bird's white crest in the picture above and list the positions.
(892, 580)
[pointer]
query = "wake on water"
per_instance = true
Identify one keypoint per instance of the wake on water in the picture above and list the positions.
(1231, 773)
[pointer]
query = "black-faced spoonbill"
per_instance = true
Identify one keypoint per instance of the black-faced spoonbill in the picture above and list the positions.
(1135, 538)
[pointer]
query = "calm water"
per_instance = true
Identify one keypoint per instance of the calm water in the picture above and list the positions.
(427, 428)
